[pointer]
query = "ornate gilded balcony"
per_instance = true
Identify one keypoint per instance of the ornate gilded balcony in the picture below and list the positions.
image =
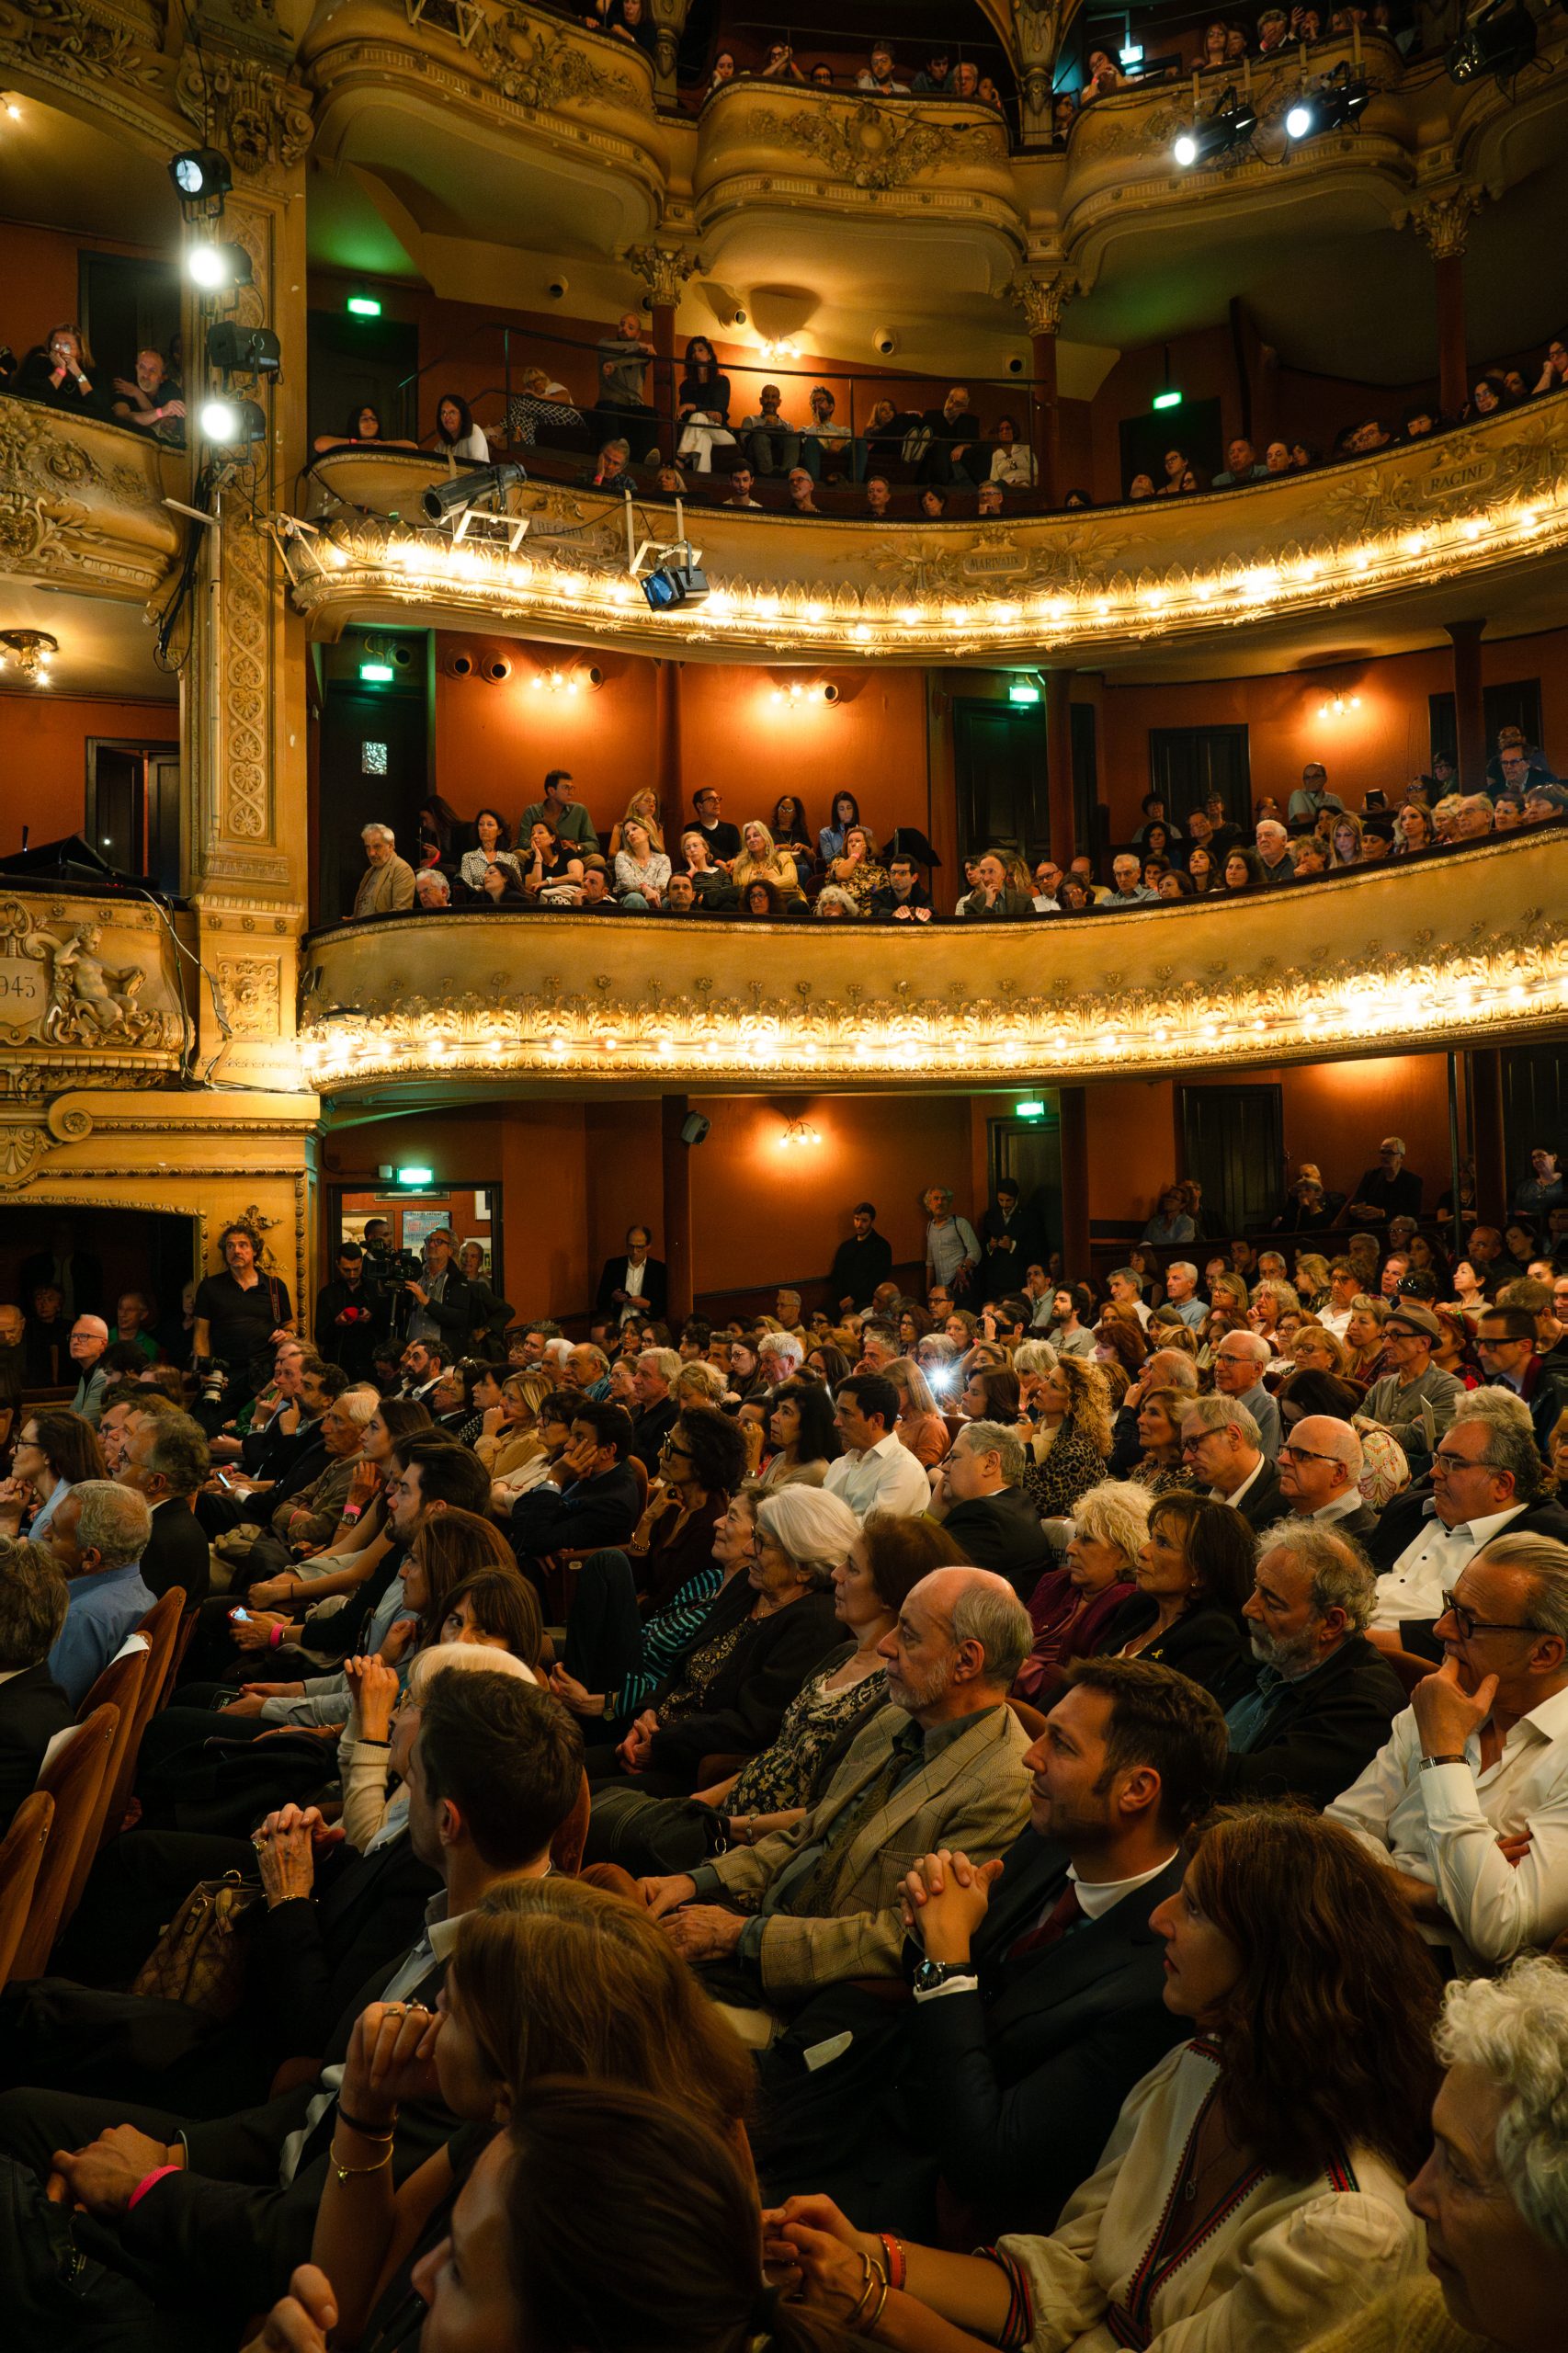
(81, 503)
(1381, 959)
(1480, 513)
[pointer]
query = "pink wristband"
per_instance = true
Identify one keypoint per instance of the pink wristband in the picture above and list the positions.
(145, 2184)
(275, 1638)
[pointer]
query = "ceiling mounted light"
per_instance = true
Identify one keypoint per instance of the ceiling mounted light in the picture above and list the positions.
(1215, 135)
(216, 268)
(200, 173)
(31, 651)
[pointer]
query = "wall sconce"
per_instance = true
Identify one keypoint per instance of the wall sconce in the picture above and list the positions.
(31, 650)
(1339, 706)
(567, 682)
(800, 697)
(799, 1133)
(785, 348)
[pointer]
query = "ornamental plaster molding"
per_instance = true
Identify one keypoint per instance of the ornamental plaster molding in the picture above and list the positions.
(1442, 222)
(255, 112)
(80, 503)
(524, 61)
(876, 145)
(663, 270)
(1043, 294)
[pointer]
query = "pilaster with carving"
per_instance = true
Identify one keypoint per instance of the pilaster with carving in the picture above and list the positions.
(1043, 294)
(1442, 222)
(669, 23)
(244, 702)
(1039, 26)
(663, 270)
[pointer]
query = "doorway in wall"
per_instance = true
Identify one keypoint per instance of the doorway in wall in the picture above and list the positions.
(133, 808)
(153, 1251)
(999, 770)
(1233, 1144)
(1028, 1151)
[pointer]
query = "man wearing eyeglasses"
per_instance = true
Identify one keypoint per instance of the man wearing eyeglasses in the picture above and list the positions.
(1391, 1189)
(1487, 1476)
(1418, 1399)
(1220, 1442)
(1506, 1344)
(1319, 1473)
(1466, 1802)
(1238, 1372)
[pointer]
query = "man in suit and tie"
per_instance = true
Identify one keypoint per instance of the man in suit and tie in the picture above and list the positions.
(1220, 1440)
(1038, 1984)
(211, 2217)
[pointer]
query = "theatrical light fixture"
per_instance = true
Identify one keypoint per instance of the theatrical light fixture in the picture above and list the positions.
(201, 173)
(216, 268)
(232, 424)
(1335, 105)
(472, 504)
(1233, 123)
(243, 351)
(1501, 40)
(675, 584)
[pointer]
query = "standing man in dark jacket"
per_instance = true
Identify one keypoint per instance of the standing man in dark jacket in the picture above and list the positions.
(1012, 1239)
(1324, 1698)
(352, 1314)
(859, 1265)
(1038, 1984)
(440, 1307)
(636, 1284)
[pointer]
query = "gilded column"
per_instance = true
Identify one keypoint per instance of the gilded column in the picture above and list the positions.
(1038, 27)
(1443, 222)
(1043, 294)
(663, 269)
(244, 753)
(669, 23)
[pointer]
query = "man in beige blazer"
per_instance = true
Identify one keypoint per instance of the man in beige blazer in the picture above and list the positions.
(941, 1765)
(386, 887)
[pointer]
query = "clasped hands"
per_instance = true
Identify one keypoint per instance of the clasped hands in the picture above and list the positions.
(101, 2177)
(946, 1897)
(697, 1931)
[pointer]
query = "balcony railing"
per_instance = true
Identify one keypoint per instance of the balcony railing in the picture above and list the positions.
(82, 502)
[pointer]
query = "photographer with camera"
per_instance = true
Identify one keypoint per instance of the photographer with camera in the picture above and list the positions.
(238, 1312)
(351, 1314)
(440, 1306)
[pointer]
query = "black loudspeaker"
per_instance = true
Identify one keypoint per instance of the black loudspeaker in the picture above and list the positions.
(694, 1127)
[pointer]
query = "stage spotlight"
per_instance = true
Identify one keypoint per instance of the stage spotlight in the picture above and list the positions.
(200, 173)
(217, 267)
(1336, 106)
(243, 351)
(445, 500)
(1501, 41)
(232, 424)
(1231, 123)
(672, 585)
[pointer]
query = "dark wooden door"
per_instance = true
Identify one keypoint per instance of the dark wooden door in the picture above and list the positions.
(1187, 764)
(999, 768)
(1233, 1143)
(1029, 1151)
(373, 771)
(132, 809)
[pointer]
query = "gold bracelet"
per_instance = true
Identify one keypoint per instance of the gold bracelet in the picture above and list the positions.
(870, 2322)
(347, 2173)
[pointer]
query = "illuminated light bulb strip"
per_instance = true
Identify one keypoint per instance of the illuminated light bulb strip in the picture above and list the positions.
(1363, 1011)
(791, 618)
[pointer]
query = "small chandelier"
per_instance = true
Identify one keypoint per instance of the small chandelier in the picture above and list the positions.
(31, 650)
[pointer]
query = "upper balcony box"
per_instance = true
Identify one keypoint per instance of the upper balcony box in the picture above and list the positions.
(81, 503)
(483, 122)
(770, 155)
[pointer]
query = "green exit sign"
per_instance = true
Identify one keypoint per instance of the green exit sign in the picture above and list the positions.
(410, 1176)
(1028, 1111)
(364, 306)
(1167, 400)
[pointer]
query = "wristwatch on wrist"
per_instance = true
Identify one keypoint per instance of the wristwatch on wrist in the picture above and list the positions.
(1452, 1760)
(929, 1975)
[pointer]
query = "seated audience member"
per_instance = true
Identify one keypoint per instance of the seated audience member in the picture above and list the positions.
(151, 398)
(33, 1707)
(903, 898)
(386, 887)
(760, 1636)
(1323, 1699)
(1320, 1476)
(1070, 1608)
(589, 1496)
(886, 1560)
(1194, 1572)
(1069, 1445)
(1294, 2136)
(992, 898)
(1466, 1803)
(1391, 1189)
(1049, 1975)
(360, 426)
(495, 1769)
(164, 1457)
(1496, 2249)
(654, 1418)
(978, 1496)
(1416, 1399)
(1238, 1374)
(701, 1537)
(941, 1765)
(876, 1471)
(1220, 1439)
(1486, 1476)
(1506, 1338)
(920, 1426)
(1242, 464)
(59, 371)
(97, 1536)
(89, 1342)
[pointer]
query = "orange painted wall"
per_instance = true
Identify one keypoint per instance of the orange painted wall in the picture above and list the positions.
(493, 742)
(43, 759)
(1334, 1114)
(1385, 742)
(42, 281)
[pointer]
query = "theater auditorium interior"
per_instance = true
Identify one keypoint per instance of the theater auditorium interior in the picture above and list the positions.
(783, 1547)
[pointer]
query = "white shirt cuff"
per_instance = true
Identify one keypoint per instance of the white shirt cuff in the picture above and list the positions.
(953, 1985)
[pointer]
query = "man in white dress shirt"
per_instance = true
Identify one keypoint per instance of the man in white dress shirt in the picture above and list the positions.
(877, 1471)
(1485, 1474)
(1468, 1802)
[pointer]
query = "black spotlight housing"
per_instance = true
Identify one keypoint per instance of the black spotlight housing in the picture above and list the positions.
(672, 585)
(1230, 125)
(1501, 40)
(444, 501)
(201, 174)
(1336, 105)
(230, 424)
(243, 351)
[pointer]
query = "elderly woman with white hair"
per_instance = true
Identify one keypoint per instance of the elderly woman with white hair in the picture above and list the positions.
(1493, 2193)
(763, 1635)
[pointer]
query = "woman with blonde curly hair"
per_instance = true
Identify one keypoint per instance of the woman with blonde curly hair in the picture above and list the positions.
(760, 861)
(1070, 1606)
(1071, 1444)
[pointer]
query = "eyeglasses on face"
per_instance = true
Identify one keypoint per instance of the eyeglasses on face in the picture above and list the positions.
(1469, 1625)
(1304, 1454)
(1453, 1463)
